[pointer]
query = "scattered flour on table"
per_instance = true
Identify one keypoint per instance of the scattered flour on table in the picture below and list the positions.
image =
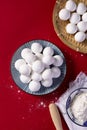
(40, 104)
(82, 55)
(77, 49)
(19, 98)
(23, 118)
(19, 91)
(11, 86)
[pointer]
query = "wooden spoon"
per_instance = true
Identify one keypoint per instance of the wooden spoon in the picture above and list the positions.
(55, 116)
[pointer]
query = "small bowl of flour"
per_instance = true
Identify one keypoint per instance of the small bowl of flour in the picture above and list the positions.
(76, 106)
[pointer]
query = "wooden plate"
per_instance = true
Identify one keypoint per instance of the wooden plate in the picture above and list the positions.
(60, 25)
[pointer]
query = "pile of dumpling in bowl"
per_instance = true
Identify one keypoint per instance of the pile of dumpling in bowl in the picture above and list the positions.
(77, 16)
(38, 66)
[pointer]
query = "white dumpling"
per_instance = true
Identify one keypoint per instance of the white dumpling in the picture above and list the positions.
(56, 72)
(18, 63)
(48, 51)
(75, 18)
(25, 79)
(81, 8)
(30, 58)
(70, 5)
(46, 74)
(36, 76)
(71, 28)
(47, 82)
(84, 17)
(82, 26)
(34, 86)
(58, 60)
(25, 69)
(80, 36)
(36, 47)
(48, 59)
(25, 51)
(38, 66)
(64, 14)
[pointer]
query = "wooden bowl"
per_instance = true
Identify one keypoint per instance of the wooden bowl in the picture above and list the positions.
(59, 27)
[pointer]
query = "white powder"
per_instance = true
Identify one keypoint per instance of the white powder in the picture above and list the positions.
(42, 105)
(79, 107)
(11, 86)
(19, 91)
(19, 98)
(23, 117)
(82, 55)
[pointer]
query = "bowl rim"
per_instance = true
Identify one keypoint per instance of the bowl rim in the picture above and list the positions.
(82, 88)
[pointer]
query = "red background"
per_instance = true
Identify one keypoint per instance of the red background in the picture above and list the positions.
(22, 21)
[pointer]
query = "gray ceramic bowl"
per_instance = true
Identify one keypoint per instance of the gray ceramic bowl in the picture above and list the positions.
(43, 90)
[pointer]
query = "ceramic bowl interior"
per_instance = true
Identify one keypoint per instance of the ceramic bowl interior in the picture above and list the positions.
(70, 99)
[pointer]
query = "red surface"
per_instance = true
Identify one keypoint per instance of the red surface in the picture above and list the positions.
(22, 21)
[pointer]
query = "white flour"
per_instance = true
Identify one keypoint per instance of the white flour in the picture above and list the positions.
(79, 107)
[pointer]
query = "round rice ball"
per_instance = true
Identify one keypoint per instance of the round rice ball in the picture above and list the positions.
(36, 47)
(30, 58)
(25, 79)
(18, 63)
(36, 76)
(56, 72)
(48, 59)
(48, 51)
(46, 74)
(47, 82)
(34, 86)
(25, 52)
(25, 70)
(38, 66)
(58, 60)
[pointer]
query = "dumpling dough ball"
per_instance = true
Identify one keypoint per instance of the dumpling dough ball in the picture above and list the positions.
(81, 8)
(82, 26)
(56, 72)
(46, 74)
(80, 36)
(70, 5)
(38, 66)
(48, 51)
(25, 51)
(36, 76)
(84, 17)
(64, 14)
(18, 63)
(48, 59)
(39, 56)
(34, 86)
(71, 28)
(25, 70)
(75, 18)
(25, 79)
(58, 60)
(30, 58)
(36, 47)
(47, 82)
